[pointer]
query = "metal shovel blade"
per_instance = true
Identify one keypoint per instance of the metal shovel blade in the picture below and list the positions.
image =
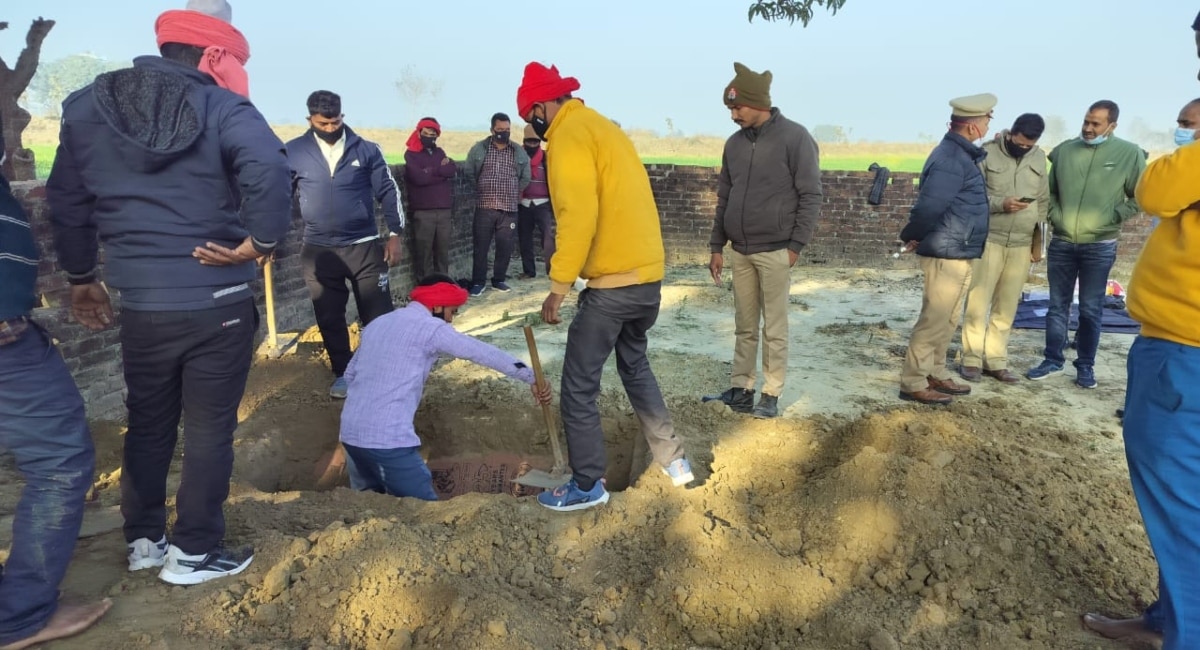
(543, 479)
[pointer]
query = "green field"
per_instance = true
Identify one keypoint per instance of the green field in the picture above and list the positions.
(45, 157)
(898, 163)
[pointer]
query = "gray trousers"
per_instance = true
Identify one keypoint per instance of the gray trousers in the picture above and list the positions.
(607, 320)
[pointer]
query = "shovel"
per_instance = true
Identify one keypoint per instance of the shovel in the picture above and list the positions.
(276, 344)
(558, 474)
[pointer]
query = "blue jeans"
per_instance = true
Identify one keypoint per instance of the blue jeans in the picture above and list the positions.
(400, 472)
(1162, 446)
(1089, 264)
(42, 423)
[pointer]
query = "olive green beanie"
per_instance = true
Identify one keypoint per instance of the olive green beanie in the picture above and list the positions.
(749, 88)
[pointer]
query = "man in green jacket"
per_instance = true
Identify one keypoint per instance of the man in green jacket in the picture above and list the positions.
(1018, 200)
(500, 171)
(1091, 194)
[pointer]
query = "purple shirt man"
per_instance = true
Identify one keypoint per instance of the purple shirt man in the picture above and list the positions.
(387, 378)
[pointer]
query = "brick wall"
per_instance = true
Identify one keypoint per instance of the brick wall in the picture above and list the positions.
(851, 233)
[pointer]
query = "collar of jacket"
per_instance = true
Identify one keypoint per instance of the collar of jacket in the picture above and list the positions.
(753, 133)
(310, 141)
(977, 154)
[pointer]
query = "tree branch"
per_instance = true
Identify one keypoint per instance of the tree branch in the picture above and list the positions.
(27, 62)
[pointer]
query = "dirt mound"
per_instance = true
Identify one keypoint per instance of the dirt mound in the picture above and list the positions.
(852, 521)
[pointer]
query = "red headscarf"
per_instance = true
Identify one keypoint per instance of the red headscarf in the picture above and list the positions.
(542, 84)
(414, 140)
(225, 48)
(441, 294)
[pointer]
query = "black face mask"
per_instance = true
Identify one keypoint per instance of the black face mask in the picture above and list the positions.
(532, 151)
(540, 126)
(1013, 150)
(501, 136)
(330, 138)
(428, 142)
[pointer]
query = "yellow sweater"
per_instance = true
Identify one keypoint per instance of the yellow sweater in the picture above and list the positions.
(607, 222)
(1164, 292)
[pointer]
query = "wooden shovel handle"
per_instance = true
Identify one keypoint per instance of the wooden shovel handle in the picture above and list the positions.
(547, 413)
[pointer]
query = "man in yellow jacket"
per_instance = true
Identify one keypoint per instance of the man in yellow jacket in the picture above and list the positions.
(1162, 394)
(608, 234)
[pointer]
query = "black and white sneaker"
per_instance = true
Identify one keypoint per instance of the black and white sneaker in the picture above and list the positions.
(183, 569)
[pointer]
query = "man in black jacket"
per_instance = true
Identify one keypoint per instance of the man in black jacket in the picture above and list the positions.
(768, 199)
(42, 424)
(339, 177)
(187, 186)
(948, 228)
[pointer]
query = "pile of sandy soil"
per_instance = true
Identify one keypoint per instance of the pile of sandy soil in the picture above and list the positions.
(854, 521)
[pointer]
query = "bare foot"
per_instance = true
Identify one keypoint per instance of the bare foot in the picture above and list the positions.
(68, 620)
(1128, 629)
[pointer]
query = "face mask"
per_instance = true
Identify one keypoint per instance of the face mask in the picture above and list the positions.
(331, 138)
(1097, 141)
(532, 151)
(1013, 150)
(428, 142)
(501, 136)
(540, 126)
(1184, 136)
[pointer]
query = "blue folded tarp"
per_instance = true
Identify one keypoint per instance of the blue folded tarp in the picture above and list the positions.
(1031, 315)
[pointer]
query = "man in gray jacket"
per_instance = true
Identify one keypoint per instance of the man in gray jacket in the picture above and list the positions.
(768, 199)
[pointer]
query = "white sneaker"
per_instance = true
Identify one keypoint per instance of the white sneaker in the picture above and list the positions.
(145, 554)
(183, 569)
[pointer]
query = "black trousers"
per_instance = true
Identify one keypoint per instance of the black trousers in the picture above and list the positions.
(489, 224)
(194, 364)
(431, 242)
(540, 217)
(326, 271)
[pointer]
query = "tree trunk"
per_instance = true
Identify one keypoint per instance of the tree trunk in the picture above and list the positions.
(19, 164)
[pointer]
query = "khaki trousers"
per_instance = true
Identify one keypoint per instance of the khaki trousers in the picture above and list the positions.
(946, 283)
(761, 282)
(996, 282)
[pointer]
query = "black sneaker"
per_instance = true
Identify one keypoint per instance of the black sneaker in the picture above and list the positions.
(183, 569)
(740, 400)
(501, 286)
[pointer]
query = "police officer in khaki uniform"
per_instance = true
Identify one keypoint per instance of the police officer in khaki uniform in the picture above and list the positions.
(947, 228)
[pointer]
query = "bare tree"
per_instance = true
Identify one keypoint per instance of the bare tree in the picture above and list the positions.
(791, 10)
(418, 92)
(18, 163)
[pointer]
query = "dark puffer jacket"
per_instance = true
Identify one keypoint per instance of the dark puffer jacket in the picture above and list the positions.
(158, 160)
(950, 219)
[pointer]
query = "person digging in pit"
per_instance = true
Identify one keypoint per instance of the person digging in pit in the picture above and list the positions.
(386, 377)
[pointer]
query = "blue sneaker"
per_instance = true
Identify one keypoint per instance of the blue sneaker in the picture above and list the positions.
(1045, 369)
(339, 388)
(476, 290)
(568, 497)
(680, 471)
(501, 286)
(1085, 377)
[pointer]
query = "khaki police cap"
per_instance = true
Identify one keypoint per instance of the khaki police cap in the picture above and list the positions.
(973, 105)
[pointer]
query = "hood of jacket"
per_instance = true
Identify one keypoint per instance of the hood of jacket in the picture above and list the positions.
(153, 108)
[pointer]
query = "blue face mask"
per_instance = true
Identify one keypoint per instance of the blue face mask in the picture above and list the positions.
(1184, 136)
(1096, 141)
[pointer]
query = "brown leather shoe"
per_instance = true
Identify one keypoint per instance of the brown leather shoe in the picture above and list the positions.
(1004, 374)
(948, 386)
(926, 396)
(970, 373)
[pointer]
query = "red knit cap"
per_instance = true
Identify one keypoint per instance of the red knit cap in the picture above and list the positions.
(542, 84)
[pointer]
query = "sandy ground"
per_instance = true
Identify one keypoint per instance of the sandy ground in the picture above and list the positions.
(853, 521)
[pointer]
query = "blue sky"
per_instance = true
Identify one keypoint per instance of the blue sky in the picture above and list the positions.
(884, 68)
